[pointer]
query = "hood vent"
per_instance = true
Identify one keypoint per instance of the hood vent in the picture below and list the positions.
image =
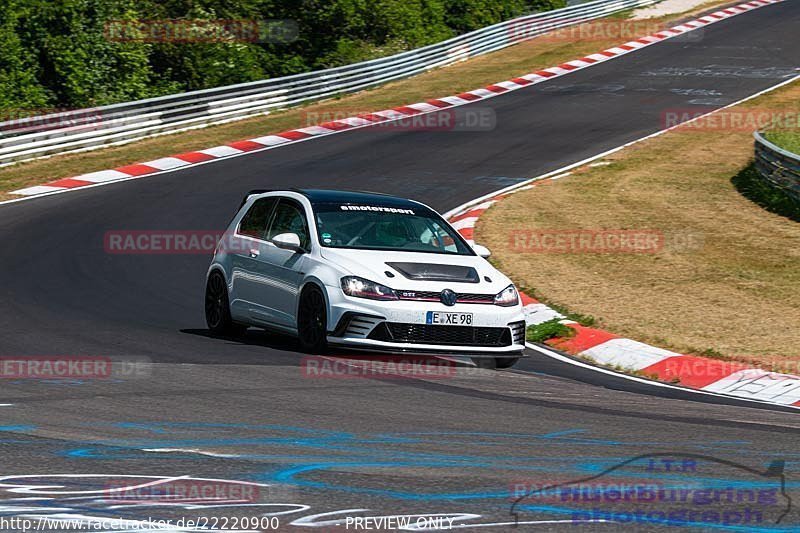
(434, 272)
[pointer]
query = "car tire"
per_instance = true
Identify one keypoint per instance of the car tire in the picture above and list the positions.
(312, 321)
(505, 362)
(218, 310)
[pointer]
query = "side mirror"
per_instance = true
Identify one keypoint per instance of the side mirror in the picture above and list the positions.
(288, 241)
(481, 250)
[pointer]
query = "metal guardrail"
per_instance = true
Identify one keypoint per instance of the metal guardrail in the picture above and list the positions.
(779, 168)
(116, 124)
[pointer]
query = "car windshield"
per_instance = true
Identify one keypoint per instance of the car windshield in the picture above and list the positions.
(376, 227)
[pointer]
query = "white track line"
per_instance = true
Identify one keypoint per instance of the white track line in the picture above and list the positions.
(454, 100)
(582, 162)
(558, 172)
(564, 359)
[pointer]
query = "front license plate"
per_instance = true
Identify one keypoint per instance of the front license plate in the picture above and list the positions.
(448, 319)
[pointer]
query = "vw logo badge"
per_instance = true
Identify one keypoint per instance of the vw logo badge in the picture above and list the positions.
(448, 297)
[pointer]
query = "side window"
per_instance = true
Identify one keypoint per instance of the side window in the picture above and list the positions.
(439, 237)
(289, 218)
(430, 236)
(254, 223)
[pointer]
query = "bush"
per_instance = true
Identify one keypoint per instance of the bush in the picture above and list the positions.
(752, 186)
(57, 53)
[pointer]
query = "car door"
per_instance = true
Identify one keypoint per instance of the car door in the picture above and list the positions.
(247, 245)
(283, 269)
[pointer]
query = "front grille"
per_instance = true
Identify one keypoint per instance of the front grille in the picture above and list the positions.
(431, 296)
(360, 326)
(518, 332)
(437, 334)
(476, 298)
(356, 325)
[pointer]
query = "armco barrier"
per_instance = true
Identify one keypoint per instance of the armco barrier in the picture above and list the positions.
(779, 168)
(88, 129)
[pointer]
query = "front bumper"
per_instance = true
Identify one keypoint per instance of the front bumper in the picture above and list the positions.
(400, 327)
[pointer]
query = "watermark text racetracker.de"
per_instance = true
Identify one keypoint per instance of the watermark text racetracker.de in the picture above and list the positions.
(184, 491)
(462, 119)
(150, 524)
(74, 367)
(575, 30)
(344, 366)
(603, 241)
(215, 523)
(166, 242)
(742, 119)
(202, 31)
(20, 122)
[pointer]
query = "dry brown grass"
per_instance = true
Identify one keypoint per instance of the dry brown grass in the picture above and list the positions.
(736, 293)
(479, 72)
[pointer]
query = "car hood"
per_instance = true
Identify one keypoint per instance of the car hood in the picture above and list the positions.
(419, 271)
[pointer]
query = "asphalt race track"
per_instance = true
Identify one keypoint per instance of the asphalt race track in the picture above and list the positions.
(242, 409)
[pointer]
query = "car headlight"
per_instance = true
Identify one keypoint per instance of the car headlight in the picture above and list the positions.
(363, 288)
(508, 297)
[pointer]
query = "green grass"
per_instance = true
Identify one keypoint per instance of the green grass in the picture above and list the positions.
(788, 140)
(548, 330)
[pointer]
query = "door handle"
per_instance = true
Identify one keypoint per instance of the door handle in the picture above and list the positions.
(254, 252)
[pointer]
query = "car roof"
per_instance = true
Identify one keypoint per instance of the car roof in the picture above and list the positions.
(323, 196)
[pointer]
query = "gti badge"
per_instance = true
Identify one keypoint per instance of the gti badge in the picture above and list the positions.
(448, 297)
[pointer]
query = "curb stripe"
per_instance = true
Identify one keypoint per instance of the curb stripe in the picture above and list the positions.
(527, 300)
(438, 103)
(469, 97)
(195, 157)
(335, 125)
(294, 135)
(585, 339)
(407, 110)
(136, 170)
(496, 89)
(166, 163)
(220, 151)
(269, 140)
(287, 137)
(694, 372)
(69, 183)
(246, 146)
(102, 176)
(729, 378)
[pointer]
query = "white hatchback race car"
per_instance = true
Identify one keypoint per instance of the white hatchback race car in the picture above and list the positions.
(364, 271)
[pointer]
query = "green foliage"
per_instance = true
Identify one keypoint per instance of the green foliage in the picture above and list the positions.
(18, 71)
(548, 330)
(751, 185)
(468, 15)
(62, 53)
